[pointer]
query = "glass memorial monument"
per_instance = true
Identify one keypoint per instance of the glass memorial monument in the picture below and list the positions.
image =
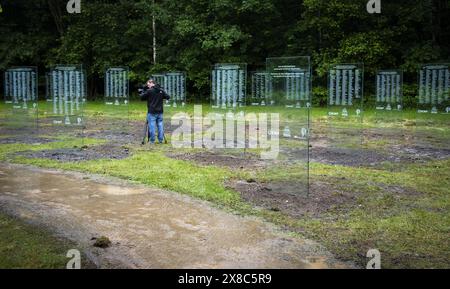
(291, 92)
(434, 89)
(261, 94)
(175, 86)
(117, 100)
(389, 107)
(290, 79)
(433, 105)
(345, 105)
(66, 97)
(21, 100)
(228, 86)
(160, 79)
(389, 96)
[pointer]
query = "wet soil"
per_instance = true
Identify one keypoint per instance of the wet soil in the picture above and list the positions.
(107, 151)
(376, 158)
(124, 132)
(25, 139)
(117, 146)
(292, 199)
(131, 132)
(378, 146)
(350, 157)
(149, 228)
(353, 157)
(325, 199)
(241, 161)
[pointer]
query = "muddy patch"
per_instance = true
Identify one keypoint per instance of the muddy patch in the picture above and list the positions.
(112, 136)
(292, 199)
(241, 161)
(396, 155)
(352, 157)
(323, 201)
(343, 156)
(25, 139)
(422, 153)
(133, 132)
(123, 133)
(81, 154)
(379, 147)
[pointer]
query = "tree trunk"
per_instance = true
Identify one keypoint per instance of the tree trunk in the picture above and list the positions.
(55, 10)
(154, 32)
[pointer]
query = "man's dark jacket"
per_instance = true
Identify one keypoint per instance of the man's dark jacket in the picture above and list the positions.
(154, 97)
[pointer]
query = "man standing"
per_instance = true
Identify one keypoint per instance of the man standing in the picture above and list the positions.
(154, 96)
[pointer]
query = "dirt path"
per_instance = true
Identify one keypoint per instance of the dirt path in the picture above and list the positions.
(149, 228)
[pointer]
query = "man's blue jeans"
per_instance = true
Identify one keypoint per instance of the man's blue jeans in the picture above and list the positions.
(153, 121)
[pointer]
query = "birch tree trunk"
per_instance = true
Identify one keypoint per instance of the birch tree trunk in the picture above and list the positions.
(154, 32)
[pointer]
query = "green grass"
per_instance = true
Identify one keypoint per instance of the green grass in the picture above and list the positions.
(26, 247)
(410, 228)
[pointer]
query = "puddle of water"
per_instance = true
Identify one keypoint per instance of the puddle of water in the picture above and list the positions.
(120, 191)
(151, 228)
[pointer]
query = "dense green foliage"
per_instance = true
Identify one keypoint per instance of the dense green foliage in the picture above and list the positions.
(192, 35)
